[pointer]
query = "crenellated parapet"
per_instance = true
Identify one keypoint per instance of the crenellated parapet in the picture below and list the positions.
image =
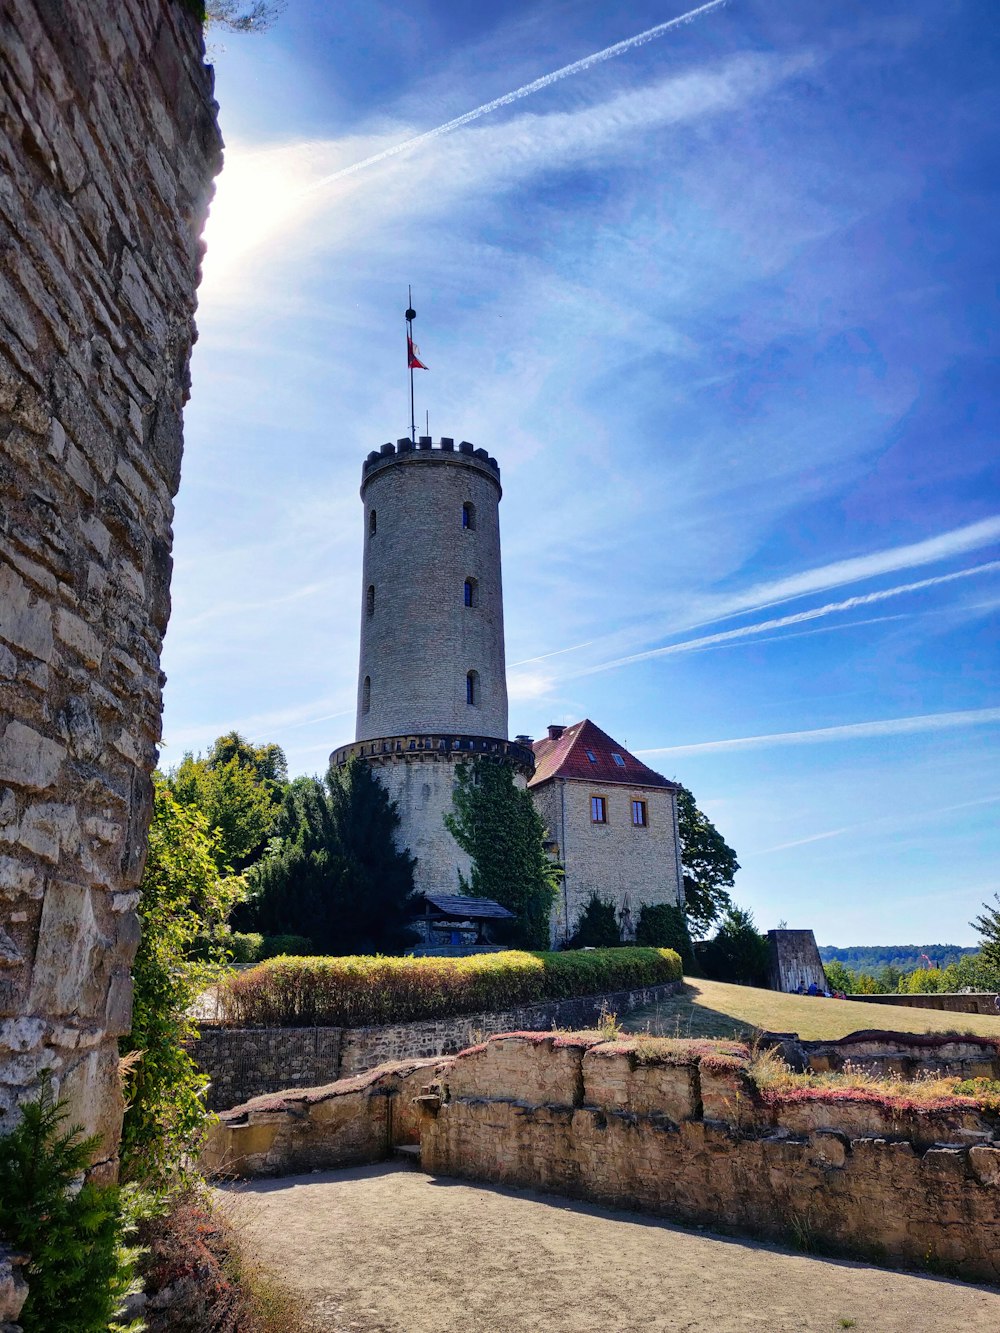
(427, 450)
(447, 747)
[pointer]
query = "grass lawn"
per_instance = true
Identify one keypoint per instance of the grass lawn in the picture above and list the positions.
(714, 1009)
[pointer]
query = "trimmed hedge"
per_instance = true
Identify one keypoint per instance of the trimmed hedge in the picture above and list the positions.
(370, 991)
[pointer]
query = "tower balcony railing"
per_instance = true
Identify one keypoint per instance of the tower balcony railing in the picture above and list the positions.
(443, 745)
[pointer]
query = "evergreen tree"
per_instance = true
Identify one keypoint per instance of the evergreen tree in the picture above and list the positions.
(497, 825)
(737, 952)
(664, 926)
(988, 926)
(333, 873)
(708, 863)
(598, 926)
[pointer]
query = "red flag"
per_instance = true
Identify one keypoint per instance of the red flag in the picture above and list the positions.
(413, 355)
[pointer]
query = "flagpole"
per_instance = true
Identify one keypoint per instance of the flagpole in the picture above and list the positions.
(411, 315)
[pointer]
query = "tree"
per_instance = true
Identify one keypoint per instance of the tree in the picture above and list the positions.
(738, 952)
(238, 788)
(80, 1271)
(598, 926)
(333, 873)
(839, 977)
(497, 825)
(708, 863)
(239, 15)
(664, 926)
(988, 926)
(183, 900)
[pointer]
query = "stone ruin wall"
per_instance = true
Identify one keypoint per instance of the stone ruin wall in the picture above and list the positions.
(108, 147)
(684, 1135)
(246, 1062)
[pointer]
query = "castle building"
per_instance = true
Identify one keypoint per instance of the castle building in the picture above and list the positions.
(432, 687)
(432, 692)
(612, 822)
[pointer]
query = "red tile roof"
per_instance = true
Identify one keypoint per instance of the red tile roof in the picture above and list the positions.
(566, 757)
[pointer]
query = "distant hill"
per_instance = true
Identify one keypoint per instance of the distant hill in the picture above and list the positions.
(905, 957)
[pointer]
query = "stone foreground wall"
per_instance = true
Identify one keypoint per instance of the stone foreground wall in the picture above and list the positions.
(674, 1128)
(108, 147)
(246, 1062)
(687, 1138)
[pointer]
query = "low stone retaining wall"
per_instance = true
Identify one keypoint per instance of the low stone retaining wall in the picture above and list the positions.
(691, 1140)
(895, 1054)
(349, 1123)
(950, 1002)
(245, 1062)
(674, 1128)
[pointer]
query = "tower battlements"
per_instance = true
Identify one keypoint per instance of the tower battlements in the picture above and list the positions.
(428, 450)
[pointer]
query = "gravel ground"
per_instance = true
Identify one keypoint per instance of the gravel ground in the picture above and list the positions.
(388, 1249)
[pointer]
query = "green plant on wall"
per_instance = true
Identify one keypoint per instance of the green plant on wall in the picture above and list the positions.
(182, 901)
(495, 822)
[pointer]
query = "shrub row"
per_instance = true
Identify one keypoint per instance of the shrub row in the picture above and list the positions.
(367, 991)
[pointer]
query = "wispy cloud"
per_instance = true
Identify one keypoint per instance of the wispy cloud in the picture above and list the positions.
(526, 90)
(713, 607)
(895, 726)
(887, 821)
(265, 194)
(946, 545)
(763, 626)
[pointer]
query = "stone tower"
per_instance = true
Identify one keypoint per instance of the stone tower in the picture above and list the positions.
(432, 687)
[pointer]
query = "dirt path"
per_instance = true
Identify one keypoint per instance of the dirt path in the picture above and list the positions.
(386, 1249)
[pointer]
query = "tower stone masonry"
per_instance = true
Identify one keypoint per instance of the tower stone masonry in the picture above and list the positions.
(432, 688)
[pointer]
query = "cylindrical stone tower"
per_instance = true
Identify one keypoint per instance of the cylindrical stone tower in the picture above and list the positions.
(432, 687)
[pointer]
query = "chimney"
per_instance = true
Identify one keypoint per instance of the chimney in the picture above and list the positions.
(555, 731)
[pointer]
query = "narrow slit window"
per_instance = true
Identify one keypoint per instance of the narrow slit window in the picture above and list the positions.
(639, 815)
(472, 689)
(469, 515)
(372, 524)
(370, 600)
(598, 810)
(366, 694)
(471, 593)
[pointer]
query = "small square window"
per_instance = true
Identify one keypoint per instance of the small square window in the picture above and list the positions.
(598, 810)
(639, 817)
(618, 760)
(591, 756)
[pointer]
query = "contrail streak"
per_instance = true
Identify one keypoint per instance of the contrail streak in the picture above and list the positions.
(747, 631)
(546, 81)
(896, 726)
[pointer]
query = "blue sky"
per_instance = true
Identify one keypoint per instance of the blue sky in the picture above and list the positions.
(723, 307)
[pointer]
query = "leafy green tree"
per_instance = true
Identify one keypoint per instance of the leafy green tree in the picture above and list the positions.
(708, 863)
(238, 788)
(840, 977)
(266, 762)
(988, 926)
(79, 1268)
(737, 952)
(598, 926)
(497, 825)
(183, 902)
(333, 873)
(664, 926)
